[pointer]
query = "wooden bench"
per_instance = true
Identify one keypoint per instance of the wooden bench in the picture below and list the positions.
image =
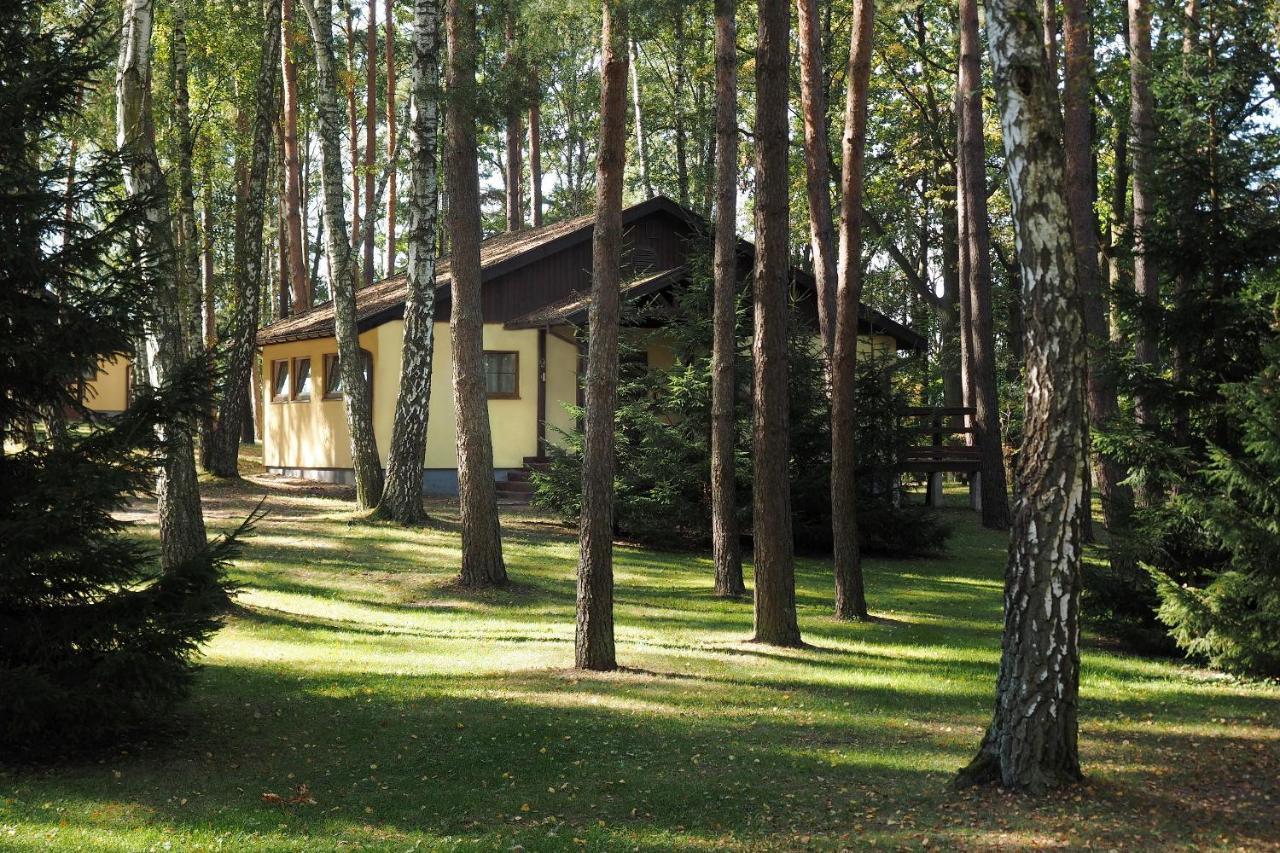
(939, 457)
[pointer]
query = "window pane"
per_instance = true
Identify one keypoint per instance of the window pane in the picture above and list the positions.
(304, 379)
(280, 386)
(500, 373)
(332, 376)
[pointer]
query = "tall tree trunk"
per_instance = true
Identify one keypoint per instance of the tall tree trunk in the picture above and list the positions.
(402, 492)
(514, 131)
(1142, 127)
(208, 281)
(356, 395)
(299, 286)
(677, 111)
(976, 249)
(1031, 743)
(775, 582)
(188, 244)
(482, 563)
(353, 127)
(851, 598)
(1103, 408)
(642, 146)
(223, 458)
(182, 534)
(535, 155)
(725, 539)
(817, 156)
(370, 136)
(593, 642)
(390, 268)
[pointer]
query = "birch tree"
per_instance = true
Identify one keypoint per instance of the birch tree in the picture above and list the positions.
(725, 539)
(1031, 743)
(775, 583)
(299, 287)
(593, 641)
(182, 533)
(370, 138)
(482, 563)
(392, 198)
(355, 389)
(223, 456)
(851, 598)
(402, 492)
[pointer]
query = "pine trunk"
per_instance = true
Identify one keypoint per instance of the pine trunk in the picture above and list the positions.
(298, 287)
(593, 642)
(725, 538)
(482, 563)
(392, 198)
(976, 248)
(851, 598)
(817, 157)
(1103, 407)
(182, 533)
(356, 390)
(535, 157)
(223, 458)
(370, 137)
(775, 584)
(402, 492)
(1143, 130)
(515, 133)
(1031, 743)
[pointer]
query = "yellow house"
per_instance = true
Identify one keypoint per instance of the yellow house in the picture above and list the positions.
(534, 303)
(107, 388)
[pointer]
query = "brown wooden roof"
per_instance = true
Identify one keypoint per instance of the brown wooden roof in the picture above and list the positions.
(540, 276)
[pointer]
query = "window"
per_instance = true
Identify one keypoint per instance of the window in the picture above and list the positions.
(302, 379)
(502, 375)
(333, 375)
(280, 381)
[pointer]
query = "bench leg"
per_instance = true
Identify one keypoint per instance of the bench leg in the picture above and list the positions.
(975, 491)
(933, 492)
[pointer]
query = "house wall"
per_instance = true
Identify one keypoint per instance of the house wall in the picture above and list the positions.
(108, 392)
(313, 434)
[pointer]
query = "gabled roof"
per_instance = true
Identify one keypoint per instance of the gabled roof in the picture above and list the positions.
(501, 254)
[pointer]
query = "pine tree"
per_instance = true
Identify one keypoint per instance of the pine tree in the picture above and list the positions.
(94, 641)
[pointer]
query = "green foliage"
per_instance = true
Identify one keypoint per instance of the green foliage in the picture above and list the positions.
(1229, 612)
(91, 643)
(663, 441)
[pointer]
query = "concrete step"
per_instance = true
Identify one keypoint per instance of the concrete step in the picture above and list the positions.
(515, 486)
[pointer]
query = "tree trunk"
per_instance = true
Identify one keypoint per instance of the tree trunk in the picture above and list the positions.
(390, 268)
(593, 642)
(515, 133)
(642, 148)
(370, 136)
(482, 563)
(1142, 126)
(851, 598)
(725, 539)
(817, 156)
(1031, 743)
(356, 392)
(535, 156)
(402, 492)
(976, 248)
(775, 583)
(350, 85)
(182, 533)
(188, 244)
(1103, 408)
(677, 112)
(299, 286)
(223, 460)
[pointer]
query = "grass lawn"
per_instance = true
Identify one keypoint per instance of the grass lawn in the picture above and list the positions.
(421, 717)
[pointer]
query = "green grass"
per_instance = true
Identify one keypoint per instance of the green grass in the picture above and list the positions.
(422, 717)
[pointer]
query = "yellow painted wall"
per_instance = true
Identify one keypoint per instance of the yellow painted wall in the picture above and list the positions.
(562, 386)
(109, 390)
(876, 346)
(313, 434)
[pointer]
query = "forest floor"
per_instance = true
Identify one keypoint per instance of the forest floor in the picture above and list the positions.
(358, 700)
